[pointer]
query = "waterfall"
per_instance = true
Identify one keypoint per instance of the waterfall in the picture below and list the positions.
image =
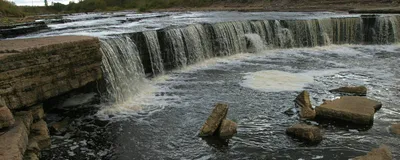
(122, 68)
(153, 47)
(255, 43)
(175, 47)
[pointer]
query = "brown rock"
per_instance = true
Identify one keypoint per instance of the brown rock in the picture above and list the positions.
(381, 153)
(395, 128)
(303, 101)
(26, 117)
(13, 142)
(305, 132)
(31, 156)
(354, 90)
(40, 134)
(357, 110)
(6, 117)
(214, 120)
(37, 112)
(61, 126)
(227, 129)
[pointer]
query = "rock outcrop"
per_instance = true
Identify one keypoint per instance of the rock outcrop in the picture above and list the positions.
(304, 103)
(6, 117)
(227, 129)
(352, 90)
(33, 70)
(21, 29)
(216, 124)
(13, 142)
(357, 110)
(381, 153)
(395, 128)
(308, 133)
(214, 120)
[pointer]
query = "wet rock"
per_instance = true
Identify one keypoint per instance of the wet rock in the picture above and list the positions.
(352, 90)
(21, 29)
(214, 120)
(31, 156)
(395, 128)
(303, 101)
(40, 134)
(37, 112)
(227, 129)
(13, 142)
(290, 111)
(6, 117)
(61, 126)
(357, 110)
(381, 153)
(308, 133)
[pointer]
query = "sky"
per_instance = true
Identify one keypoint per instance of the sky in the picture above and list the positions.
(38, 2)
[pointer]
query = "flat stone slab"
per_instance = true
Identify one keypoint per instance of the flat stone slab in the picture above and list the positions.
(227, 129)
(381, 153)
(354, 109)
(353, 90)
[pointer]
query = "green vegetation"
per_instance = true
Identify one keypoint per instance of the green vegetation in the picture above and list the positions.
(9, 9)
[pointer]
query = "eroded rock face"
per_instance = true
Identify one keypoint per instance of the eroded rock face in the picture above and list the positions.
(40, 134)
(381, 153)
(303, 101)
(214, 120)
(37, 112)
(352, 90)
(308, 133)
(33, 70)
(395, 128)
(6, 117)
(227, 129)
(13, 142)
(354, 109)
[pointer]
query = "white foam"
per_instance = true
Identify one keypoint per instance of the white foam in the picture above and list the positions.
(278, 81)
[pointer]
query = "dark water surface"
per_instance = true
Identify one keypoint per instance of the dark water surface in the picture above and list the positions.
(164, 122)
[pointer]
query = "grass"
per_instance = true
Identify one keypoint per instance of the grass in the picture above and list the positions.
(8, 9)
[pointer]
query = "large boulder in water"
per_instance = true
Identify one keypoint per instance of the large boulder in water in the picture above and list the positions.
(227, 129)
(395, 128)
(381, 153)
(308, 133)
(358, 110)
(352, 90)
(214, 120)
(303, 101)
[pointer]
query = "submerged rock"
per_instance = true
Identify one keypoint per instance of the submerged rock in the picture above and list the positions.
(353, 90)
(61, 126)
(381, 153)
(303, 101)
(308, 133)
(357, 110)
(395, 128)
(214, 120)
(227, 129)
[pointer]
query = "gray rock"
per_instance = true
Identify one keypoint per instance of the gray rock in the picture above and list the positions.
(305, 132)
(357, 110)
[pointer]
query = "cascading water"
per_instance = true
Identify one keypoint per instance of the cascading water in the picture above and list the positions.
(153, 48)
(255, 43)
(122, 68)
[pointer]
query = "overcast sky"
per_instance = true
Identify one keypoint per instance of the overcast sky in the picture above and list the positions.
(38, 2)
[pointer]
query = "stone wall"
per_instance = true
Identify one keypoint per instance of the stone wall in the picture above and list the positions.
(33, 70)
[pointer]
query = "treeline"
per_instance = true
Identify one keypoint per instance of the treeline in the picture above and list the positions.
(10, 9)
(141, 5)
